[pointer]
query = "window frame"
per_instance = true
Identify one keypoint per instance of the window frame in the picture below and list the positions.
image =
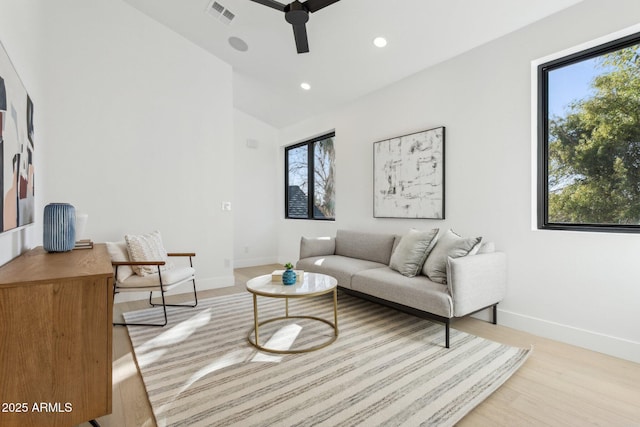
(310, 144)
(542, 75)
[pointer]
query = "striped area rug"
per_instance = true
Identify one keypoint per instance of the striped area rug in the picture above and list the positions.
(386, 368)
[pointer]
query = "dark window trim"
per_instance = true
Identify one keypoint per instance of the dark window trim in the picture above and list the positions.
(543, 137)
(310, 177)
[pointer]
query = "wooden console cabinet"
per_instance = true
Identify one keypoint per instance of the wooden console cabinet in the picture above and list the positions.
(56, 312)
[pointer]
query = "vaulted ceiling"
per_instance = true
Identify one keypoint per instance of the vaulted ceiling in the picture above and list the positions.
(343, 64)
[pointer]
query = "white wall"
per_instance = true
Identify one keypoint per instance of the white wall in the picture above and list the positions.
(20, 33)
(580, 288)
(255, 210)
(132, 131)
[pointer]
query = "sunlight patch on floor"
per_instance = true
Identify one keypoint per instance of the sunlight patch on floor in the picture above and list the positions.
(261, 357)
(230, 359)
(123, 368)
(174, 335)
(283, 339)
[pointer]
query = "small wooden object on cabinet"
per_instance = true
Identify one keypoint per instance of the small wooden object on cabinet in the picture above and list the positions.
(56, 312)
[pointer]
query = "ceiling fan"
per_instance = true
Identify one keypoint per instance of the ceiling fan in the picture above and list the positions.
(297, 14)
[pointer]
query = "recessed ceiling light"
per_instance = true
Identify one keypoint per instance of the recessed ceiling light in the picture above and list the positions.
(380, 41)
(305, 86)
(238, 44)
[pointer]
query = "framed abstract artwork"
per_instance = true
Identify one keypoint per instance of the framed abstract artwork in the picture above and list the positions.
(16, 149)
(408, 176)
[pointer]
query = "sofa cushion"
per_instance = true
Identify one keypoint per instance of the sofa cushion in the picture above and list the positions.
(316, 246)
(417, 292)
(448, 245)
(367, 246)
(169, 278)
(338, 266)
(409, 255)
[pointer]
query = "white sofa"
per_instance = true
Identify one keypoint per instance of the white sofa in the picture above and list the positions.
(469, 280)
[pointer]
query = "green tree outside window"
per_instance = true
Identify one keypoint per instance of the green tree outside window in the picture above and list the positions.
(593, 149)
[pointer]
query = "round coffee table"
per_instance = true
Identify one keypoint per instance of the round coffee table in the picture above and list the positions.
(313, 284)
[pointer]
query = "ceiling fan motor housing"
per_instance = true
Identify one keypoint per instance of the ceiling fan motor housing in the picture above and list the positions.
(296, 14)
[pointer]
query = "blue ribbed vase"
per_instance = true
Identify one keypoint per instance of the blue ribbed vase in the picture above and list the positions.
(59, 227)
(289, 277)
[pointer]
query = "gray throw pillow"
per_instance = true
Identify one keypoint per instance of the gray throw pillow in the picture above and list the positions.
(486, 248)
(414, 247)
(449, 245)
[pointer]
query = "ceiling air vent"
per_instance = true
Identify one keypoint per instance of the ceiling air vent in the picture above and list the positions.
(227, 17)
(220, 12)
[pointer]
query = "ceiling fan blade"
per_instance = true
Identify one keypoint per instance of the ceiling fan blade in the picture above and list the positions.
(300, 34)
(316, 5)
(272, 4)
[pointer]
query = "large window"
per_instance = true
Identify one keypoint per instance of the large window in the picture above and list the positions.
(310, 179)
(589, 139)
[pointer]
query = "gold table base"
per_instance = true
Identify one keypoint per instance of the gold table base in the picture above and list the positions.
(257, 324)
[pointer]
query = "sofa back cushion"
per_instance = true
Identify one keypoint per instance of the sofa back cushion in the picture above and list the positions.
(317, 246)
(369, 246)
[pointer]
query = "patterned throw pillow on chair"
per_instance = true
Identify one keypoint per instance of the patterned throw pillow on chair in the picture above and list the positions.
(146, 247)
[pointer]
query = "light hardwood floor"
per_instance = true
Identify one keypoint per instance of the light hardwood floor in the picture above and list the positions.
(559, 385)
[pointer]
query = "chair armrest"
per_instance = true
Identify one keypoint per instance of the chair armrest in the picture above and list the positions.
(181, 254)
(476, 281)
(117, 263)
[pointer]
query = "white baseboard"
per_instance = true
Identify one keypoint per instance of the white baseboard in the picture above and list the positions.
(185, 288)
(215, 282)
(252, 262)
(607, 344)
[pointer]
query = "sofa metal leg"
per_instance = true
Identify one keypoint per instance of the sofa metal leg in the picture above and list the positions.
(495, 314)
(446, 332)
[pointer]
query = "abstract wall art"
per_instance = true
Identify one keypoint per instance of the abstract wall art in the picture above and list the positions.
(408, 176)
(16, 149)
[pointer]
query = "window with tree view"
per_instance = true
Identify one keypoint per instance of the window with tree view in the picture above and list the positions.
(589, 139)
(310, 179)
